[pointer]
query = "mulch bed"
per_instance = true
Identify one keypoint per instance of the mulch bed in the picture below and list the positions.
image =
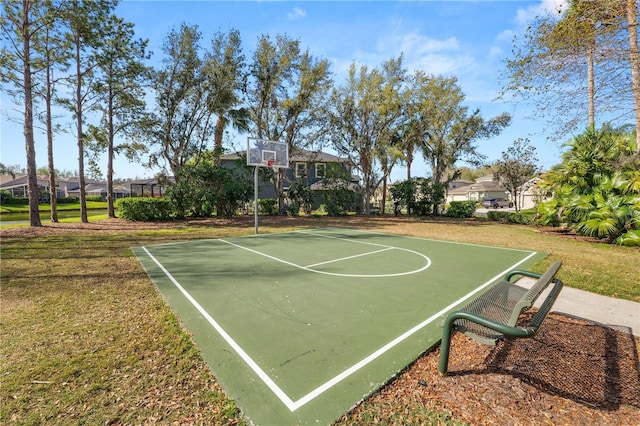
(573, 372)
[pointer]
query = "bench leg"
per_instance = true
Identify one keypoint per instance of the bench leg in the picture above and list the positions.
(445, 344)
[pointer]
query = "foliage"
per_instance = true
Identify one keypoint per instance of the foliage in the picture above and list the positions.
(301, 195)
(517, 167)
(182, 122)
(574, 66)
(444, 128)
(145, 209)
(419, 195)
(596, 188)
(122, 95)
(287, 92)
(365, 118)
(7, 198)
(293, 210)
(94, 198)
(461, 209)
(268, 206)
(521, 217)
(338, 197)
(224, 70)
(202, 188)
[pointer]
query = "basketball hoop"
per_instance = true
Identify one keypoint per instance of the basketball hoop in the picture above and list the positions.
(273, 165)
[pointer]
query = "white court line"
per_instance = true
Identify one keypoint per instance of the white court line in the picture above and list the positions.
(288, 402)
(236, 347)
(348, 257)
(310, 269)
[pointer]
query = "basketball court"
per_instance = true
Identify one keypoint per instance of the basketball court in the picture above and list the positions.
(298, 327)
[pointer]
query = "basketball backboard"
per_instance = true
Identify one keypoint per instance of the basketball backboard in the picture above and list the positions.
(266, 153)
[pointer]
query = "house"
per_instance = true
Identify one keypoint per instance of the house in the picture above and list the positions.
(18, 187)
(308, 166)
(484, 187)
(65, 187)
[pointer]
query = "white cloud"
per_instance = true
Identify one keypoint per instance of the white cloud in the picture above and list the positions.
(418, 44)
(495, 52)
(296, 13)
(506, 35)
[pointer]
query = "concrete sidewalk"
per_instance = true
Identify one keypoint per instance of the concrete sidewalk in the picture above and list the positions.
(620, 314)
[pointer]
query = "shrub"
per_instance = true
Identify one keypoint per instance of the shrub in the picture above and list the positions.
(293, 210)
(7, 198)
(204, 188)
(461, 209)
(268, 206)
(421, 196)
(523, 217)
(67, 200)
(94, 198)
(145, 209)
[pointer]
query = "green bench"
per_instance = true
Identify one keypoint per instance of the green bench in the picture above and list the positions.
(494, 314)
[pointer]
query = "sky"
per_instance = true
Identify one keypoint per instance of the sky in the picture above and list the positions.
(466, 39)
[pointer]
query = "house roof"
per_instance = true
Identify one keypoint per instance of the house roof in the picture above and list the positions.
(484, 186)
(299, 155)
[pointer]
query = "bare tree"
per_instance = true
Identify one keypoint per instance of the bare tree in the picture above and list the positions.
(516, 168)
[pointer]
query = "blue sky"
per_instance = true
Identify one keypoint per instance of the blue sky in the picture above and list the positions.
(465, 39)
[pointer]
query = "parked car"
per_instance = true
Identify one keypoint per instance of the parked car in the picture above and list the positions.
(496, 202)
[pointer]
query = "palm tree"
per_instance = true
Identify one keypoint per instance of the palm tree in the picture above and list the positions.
(596, 189)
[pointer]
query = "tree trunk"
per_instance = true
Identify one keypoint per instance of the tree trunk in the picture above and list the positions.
(83, 195)
(218, 133)
(110, 208)
(634, 59)
(53, 198)
(591, 91)
(32, 178)
(383, 204)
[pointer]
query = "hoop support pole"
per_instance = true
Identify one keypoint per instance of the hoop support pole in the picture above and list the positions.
(255, 197)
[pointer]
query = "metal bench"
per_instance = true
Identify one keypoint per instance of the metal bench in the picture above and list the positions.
(494, 314)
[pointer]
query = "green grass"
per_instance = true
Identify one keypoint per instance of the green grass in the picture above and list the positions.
(87, 339)
(15, 208)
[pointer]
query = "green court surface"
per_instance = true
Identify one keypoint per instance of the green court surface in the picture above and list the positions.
(298, 327)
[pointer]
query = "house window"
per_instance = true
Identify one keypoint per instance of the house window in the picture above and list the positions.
(301, 170)
(321, 170)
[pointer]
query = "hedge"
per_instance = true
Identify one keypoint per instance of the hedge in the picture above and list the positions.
(523, 217)
(461, 209)
(145, 209)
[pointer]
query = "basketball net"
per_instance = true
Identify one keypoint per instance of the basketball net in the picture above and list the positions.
(272, 164)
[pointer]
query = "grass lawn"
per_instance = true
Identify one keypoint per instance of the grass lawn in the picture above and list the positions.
(86, 337)
(43, 207)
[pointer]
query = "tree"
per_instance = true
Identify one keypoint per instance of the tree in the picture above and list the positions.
(575, 66)
(517, 167)
(203, 187)
(634, 61)
(124, 74)
(182, 123)
(596, 188)
(365, 118)
(86, 22)
(20, 24)
(287, 94)
(224, 68)
(448, 132)
(54, 55)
